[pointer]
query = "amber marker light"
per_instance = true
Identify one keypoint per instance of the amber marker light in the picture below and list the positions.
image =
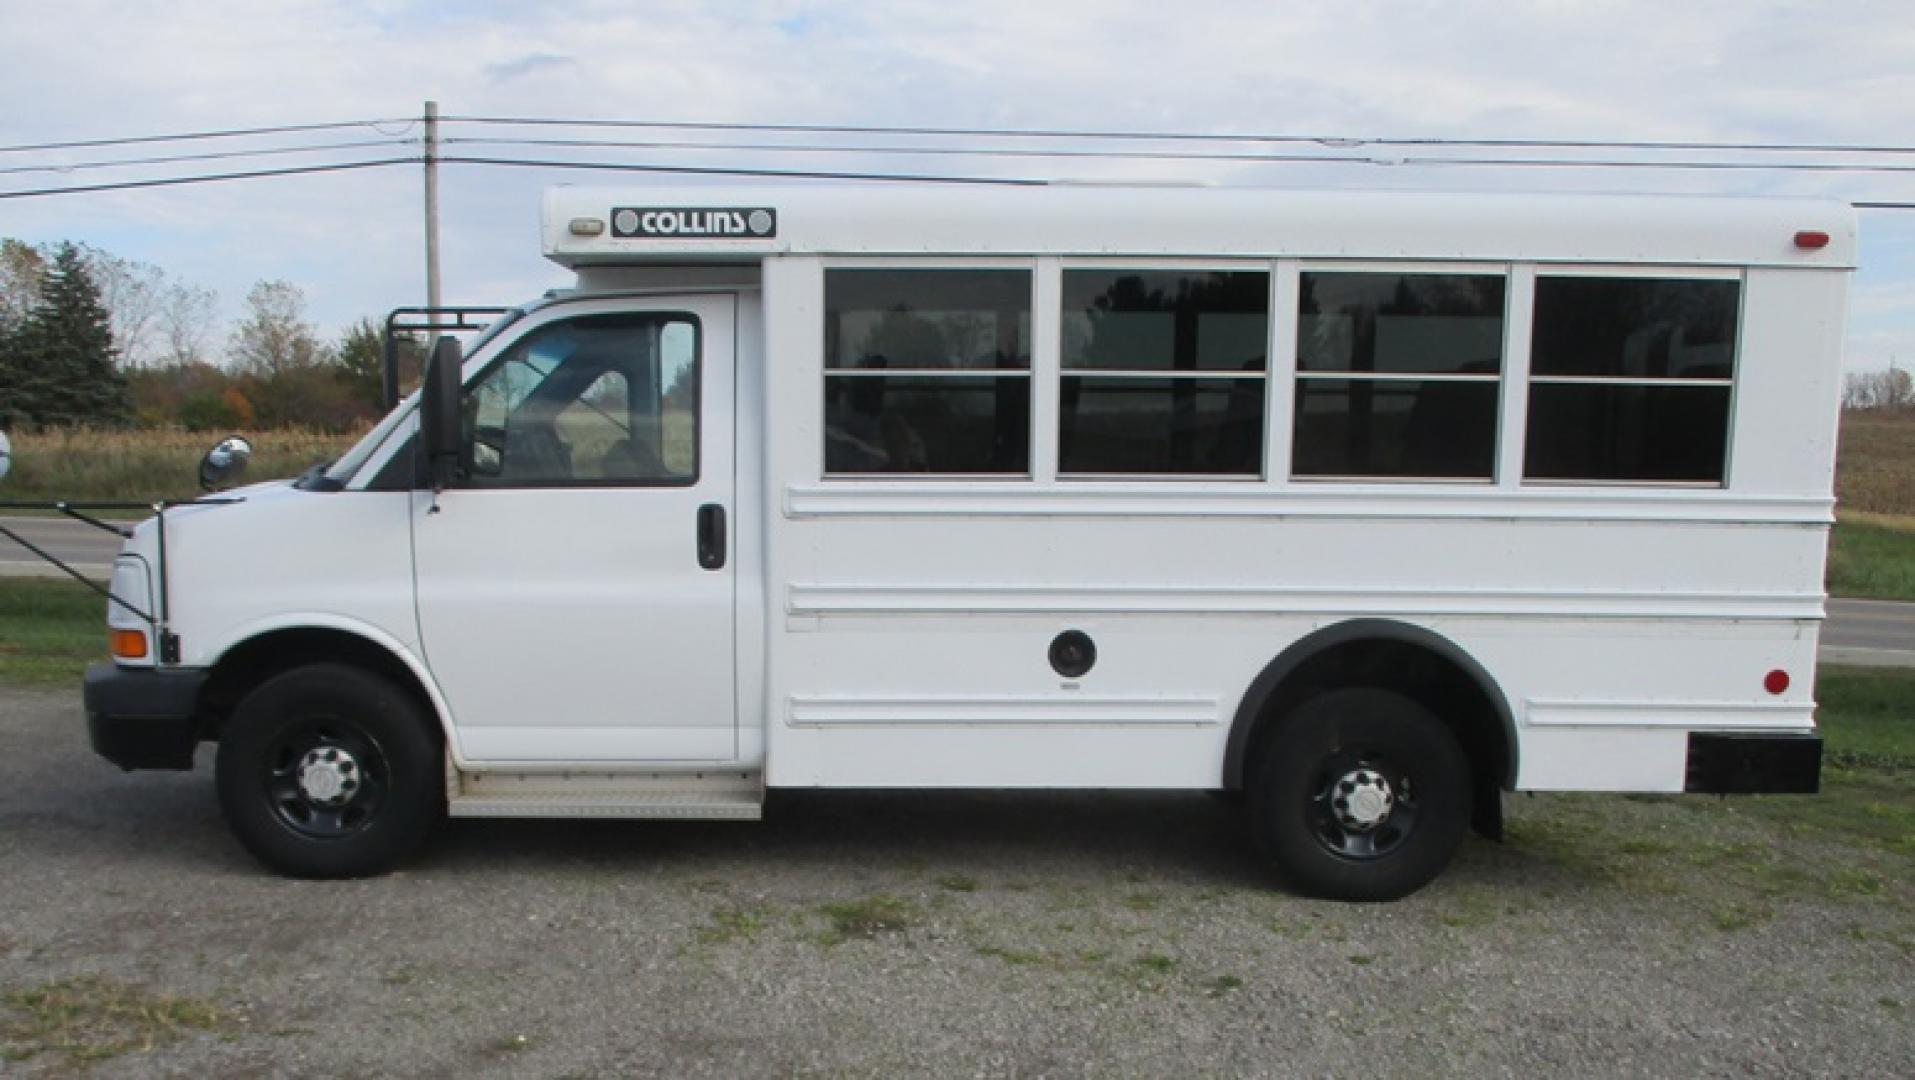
(127, 644)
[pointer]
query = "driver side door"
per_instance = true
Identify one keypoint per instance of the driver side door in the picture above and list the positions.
(575, 596)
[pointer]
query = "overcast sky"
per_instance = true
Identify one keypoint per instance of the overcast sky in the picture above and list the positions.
(1707, 70)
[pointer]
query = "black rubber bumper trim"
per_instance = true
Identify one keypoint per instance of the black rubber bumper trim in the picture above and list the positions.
(142, 719)
(1747, 764)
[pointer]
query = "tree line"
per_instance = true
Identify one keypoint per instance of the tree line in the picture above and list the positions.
(1885, 390)
(88, 338)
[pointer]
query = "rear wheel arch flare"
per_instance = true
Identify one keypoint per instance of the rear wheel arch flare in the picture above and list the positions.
(1336, 656)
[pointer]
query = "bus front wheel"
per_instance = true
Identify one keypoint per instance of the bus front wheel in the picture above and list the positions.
(329, 771)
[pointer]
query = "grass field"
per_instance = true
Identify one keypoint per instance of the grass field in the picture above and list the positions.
(1873, 556)
(49, 632)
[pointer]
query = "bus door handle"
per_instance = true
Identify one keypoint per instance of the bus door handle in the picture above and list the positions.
(711, 536)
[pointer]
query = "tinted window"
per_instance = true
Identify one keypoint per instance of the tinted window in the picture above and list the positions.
(1125, 333)
(927, 371)
(1629, 328)
(1145, 426)
(1401, 323)
(1631, 379)
(596, 400)
(1398, 375)
(1627, 432)
(916, 423)
(1404, 428)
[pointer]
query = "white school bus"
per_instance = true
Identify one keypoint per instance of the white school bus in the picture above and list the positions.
(1363, 508)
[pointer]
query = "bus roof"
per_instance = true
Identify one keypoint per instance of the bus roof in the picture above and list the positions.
(637, 226)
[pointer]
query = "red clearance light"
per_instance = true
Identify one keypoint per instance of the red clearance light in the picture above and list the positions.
(1811, 239)
(1775, 682)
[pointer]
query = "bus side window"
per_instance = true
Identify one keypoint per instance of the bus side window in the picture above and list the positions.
(1630, 379)
(1398, 375)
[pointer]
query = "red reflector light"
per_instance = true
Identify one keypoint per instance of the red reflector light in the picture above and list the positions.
(1811, 239)
(1776, 681)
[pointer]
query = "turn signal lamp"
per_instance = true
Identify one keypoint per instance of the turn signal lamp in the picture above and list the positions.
(127, 644)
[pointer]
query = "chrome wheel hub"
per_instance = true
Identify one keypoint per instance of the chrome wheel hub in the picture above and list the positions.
(329, 776)
(1362, 799)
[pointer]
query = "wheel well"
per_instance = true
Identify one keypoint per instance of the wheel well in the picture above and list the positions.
(1410, 660)
(255, 660)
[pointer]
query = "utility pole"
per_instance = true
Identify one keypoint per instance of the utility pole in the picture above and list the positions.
(432, 204)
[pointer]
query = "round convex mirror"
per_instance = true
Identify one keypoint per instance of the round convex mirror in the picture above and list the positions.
(224, 462)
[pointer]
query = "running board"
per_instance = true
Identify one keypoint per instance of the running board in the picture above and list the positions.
(736, 795)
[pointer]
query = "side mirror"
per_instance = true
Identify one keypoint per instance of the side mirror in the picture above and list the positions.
(439, 413)
(224, 462)
(6, 455)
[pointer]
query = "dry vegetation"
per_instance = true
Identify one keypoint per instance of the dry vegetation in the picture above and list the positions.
(147, 465)
(1876, 470)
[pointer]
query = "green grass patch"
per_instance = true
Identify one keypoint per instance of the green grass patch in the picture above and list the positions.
(1156, 963)
(1865, 808)
(1223, 984)
(90, 1019)
(49, 631)
(1872, 557)
(1867, 716)
(864, 919)
(731, 924)
(1741, 916)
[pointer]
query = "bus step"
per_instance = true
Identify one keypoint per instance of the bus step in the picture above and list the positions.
(707, 796)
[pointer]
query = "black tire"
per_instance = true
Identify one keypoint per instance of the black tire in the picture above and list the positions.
(1326, 750)
(366, 747)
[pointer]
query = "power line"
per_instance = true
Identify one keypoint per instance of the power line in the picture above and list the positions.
(175, 181)
(228, 133)
(834, 174)
(1180, 155)
(928, 151)
(984, 152)
(254, 174)
(171, 159)
(1706, 166)
(785, 174)
(1333, 141)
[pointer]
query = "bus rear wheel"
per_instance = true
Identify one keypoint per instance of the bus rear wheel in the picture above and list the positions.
(329, 771)
(1360, 794)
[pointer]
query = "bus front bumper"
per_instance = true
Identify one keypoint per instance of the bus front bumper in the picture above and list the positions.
(143, 719)
(1725, 763)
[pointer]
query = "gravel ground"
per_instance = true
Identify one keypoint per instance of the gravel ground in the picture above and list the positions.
(975, 934)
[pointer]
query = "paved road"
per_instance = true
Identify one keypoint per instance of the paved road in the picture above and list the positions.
(1871, 632)
(1874, 632)
(88, 549)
